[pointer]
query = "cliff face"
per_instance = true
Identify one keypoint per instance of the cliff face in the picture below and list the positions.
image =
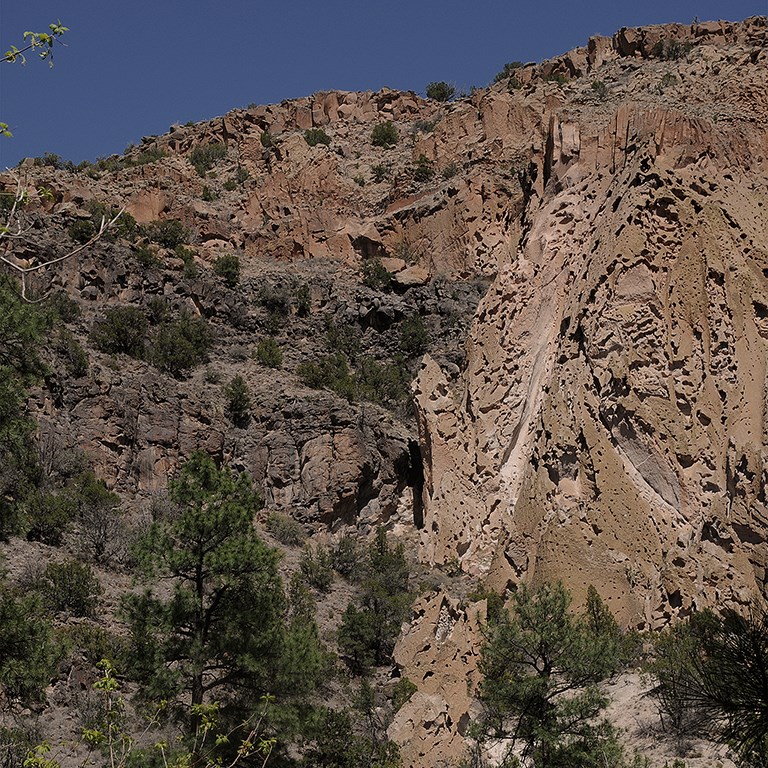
(610, 425)
(599, 417)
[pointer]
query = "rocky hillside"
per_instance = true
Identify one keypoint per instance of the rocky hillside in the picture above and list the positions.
(566, 273)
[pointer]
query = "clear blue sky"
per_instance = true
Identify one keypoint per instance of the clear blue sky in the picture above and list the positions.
(136, 67)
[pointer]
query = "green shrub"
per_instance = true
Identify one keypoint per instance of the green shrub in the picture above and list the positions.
(380, 172)
(227, 267)
(95, 642)
(72, 587)
(50, 160)
(423, 170)
(180, 345)
(375, 274)
(508, 71)
(667, 80)
(303, 300)
(62, 308)
(449, 171)
(102, 534)
(49, 517)
(158, 310)
(168, 233)
(315, 136)
(241, 175)
(268, 353)
(7, 200)
(347, 557)
(21, 328)
(187, 255)
(285, 529)
(384, 134)
(494, 603)
(381, 382)
(204, 157)
(344, 338)
(336, 741)
(122, 330)
(230, 185)
(125, 227)
(275, 299)
(211, 376)
(414, 337)
(600, 89)
(267, 140)
(74, 356)
(440, 91)
(671, 50)
(556, 77)
(146, 256)
(28, 654)
(209, 195)
(329, 372)
(82, 230)
(406, 251)
(146, 156)
(370, 625)
(423, 126)
(238, 400)
(316, 567)
(402, 692)
(17, 743)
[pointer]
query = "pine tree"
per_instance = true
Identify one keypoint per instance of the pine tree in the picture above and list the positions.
(541, 665)
(369, 628)
(221, 632)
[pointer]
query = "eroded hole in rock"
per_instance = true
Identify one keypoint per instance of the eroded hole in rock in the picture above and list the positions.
(717, 277)
(675, 599)
(747, 534)
(711, 534)
(380, 318)
(365, 489)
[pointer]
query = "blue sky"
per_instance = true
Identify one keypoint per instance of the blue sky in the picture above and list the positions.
(134, 68)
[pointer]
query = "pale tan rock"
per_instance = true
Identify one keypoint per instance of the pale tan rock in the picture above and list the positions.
(412, 276)
(393, 265)
(147, 205)
(435, 654)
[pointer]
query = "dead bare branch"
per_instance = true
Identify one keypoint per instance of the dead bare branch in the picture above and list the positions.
(13, 229)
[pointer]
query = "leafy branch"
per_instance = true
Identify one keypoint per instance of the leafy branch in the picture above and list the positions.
(42, 43)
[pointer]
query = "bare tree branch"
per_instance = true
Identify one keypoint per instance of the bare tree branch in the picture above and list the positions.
(13, 229)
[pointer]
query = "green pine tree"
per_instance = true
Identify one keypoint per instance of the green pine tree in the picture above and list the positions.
(219, 631)
(370, 627)
(541, 665)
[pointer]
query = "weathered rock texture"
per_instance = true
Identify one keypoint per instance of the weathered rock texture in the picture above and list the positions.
(610, 426)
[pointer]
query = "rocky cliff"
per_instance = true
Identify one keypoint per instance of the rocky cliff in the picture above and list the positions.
(600, 416)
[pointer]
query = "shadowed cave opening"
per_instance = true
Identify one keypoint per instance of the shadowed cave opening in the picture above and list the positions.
(416, 482)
